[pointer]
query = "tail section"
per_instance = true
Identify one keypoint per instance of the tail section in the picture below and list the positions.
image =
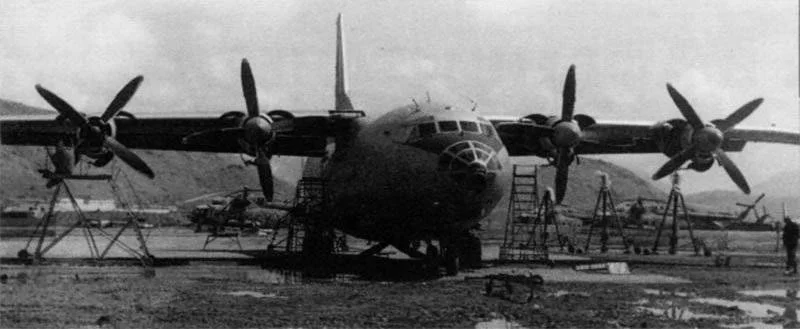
(342, 100)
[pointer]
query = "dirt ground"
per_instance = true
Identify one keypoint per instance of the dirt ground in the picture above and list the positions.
(206, 293)
(218, 296)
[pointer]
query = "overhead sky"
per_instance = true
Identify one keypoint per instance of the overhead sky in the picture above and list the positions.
(508, 56)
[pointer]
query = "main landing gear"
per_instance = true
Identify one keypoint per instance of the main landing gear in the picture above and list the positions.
(454, 253)
(461, 251)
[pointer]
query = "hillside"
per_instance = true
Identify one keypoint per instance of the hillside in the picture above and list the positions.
(14, 108)
(179, 175)
(781, 188)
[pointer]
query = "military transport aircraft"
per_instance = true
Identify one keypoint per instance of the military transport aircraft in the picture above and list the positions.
(422, 172)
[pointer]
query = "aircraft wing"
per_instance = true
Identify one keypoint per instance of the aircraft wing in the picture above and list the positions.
(615, 137)
(308, 137)
(781, 136)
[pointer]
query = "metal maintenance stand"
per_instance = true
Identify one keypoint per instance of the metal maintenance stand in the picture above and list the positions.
(605, 203)
(675, 196)
(86, 226)
(546, 215)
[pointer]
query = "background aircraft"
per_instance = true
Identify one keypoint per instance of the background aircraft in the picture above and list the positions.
(421, 172)
(759, 218)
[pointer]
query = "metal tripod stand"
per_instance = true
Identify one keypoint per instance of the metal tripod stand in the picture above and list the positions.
(675, 201)
(605, 203)
(546, 215)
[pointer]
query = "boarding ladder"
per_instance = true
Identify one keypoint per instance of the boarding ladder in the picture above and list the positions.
(518, 241)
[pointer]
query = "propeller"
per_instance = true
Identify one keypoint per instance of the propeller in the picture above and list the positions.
(567, 134)
(558, 137)
(97, 133)
(255, 131)
(707, 139)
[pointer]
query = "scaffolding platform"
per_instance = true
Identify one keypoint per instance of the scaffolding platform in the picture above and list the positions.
(310, 201)
(90, 230)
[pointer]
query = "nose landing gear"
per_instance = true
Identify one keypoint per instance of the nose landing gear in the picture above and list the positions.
(463, 251)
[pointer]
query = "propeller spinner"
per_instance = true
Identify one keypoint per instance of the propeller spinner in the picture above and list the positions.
(254, 133)
(707, 139)
(98, 132)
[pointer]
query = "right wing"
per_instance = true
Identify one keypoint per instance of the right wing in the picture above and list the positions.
(615, 137)
(307, 138)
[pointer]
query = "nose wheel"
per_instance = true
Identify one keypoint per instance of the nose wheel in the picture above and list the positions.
(464, 251)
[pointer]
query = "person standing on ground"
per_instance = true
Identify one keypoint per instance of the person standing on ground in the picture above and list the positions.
(791, 233)
(635, 214)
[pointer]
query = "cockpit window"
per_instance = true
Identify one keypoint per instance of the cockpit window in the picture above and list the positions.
(447, 126)
(427, 129)
(469, 126)
(488, 130)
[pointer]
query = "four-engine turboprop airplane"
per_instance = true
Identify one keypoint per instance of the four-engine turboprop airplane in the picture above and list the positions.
(422, 172)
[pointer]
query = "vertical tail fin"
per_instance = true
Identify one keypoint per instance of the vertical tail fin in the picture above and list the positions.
(342, 100)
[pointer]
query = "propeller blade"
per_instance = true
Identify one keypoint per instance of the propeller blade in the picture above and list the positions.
(737, 116)
(568, 105)
(128, 157)
(265, 175)
(732, 170)
(249, 89)
(214, 136)
(61, 106)
(121, 99)
(674, 163)
(685, 108)
(562, 174)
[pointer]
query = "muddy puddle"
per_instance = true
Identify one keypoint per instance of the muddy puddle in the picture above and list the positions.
(499, 324)
(682, 305)
(675, 293)
(793, 294)
(561, 293)
(682, 313)
(254, 294)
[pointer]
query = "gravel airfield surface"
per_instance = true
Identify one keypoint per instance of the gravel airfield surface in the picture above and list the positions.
(213, 294)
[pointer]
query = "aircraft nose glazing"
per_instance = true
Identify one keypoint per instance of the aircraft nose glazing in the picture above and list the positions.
(470, 163)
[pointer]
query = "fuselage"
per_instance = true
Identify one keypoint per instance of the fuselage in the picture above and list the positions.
(419, 172)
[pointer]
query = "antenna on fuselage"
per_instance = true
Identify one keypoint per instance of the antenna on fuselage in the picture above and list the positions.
(474, 103)
(416, 106)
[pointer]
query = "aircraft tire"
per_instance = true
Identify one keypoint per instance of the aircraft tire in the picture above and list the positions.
(452, 262)
(431, 251)
(317, 253)
(471, 252)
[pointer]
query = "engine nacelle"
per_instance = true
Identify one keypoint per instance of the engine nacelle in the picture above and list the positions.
(671, 136)
(701, 162)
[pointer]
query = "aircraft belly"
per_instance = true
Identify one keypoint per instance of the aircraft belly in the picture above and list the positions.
(382, 190)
